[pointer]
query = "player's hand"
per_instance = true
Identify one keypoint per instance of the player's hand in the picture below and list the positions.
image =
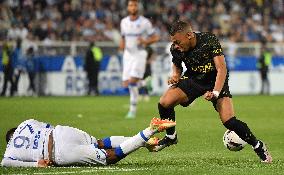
(44, 163)
(210, 95)
(173, 80)
(142, 42)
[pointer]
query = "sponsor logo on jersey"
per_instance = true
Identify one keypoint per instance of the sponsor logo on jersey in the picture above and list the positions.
(216, 51)
(203, 69)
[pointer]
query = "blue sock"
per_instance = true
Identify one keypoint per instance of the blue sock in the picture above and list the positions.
(113, 141)
(134, 143)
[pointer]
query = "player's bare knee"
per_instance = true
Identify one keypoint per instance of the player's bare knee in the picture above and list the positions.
(226, 116)
(166, 103)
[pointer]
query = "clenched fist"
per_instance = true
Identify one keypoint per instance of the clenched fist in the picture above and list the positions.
(210, 95)
(44, 163)
(173, 80)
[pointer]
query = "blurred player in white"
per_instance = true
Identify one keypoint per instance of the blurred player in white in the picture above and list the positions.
(137, 33)
(38, 144)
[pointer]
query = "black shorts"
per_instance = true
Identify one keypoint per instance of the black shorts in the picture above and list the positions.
(194, 89)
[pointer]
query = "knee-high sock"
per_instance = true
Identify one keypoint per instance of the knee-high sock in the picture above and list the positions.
(133, 90)
(167, 113)
(114, 141)
(242, 130)
(134, 143)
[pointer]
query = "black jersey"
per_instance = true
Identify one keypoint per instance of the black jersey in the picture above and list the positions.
(199, 61)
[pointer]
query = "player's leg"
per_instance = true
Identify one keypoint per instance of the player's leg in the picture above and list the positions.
(128, 146)
(12, 81)
(267, 84)
(91, 82)
(262, 82)
(73, 146)
(146, 83)
(111, 142)
(226, 112)
(81, 155)
(139, 140)
(143, 91)
(172, 97)
(136, 72)
(127, 64)
(4, 87)
(134, 93)
(96, 77)
(184, 93)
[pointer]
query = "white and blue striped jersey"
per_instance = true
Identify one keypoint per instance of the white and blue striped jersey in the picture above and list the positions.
(28, 144)
(132, 30)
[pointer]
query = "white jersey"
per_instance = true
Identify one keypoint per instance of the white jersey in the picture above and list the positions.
(132, 30)
(28, 144)
(71, 146)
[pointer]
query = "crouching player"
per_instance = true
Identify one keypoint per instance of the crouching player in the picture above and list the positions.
(206, 75)
(38, 144)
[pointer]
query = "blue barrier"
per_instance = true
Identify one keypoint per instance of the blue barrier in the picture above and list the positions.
(249, 63)
(55, 63)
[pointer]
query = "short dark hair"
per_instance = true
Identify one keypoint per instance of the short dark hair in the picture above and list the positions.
(10, 133)
(179, 26)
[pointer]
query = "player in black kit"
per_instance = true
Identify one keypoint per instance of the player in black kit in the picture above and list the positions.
(206, 75)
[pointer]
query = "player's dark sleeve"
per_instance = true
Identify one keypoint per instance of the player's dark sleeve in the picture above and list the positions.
(177, 57)
(215, 46)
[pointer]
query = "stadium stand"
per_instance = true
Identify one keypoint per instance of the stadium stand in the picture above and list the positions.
(73, 20)
(59, 31)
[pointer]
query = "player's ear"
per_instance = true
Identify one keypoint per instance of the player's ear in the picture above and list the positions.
(10, 133)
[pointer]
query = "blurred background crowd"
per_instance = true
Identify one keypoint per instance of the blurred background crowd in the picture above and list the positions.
(31, 29)
(99, 20)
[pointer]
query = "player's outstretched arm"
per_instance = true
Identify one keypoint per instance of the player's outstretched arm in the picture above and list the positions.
(11, 162)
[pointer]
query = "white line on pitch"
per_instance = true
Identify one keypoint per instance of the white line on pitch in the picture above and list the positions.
(108, 169)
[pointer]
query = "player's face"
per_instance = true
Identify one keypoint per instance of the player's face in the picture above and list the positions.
(181, 41)
(132, 8)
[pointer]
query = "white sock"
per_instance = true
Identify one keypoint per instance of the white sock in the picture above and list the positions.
(257, 145)
(114, 141)
(133, 90)
(172, 136)
(134, 142)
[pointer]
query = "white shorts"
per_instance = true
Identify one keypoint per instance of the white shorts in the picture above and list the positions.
(134, 64)
(75, 147)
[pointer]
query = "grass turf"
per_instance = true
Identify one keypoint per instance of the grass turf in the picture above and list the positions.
(200, 149)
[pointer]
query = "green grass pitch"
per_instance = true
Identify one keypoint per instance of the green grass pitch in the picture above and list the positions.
(200, 149)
